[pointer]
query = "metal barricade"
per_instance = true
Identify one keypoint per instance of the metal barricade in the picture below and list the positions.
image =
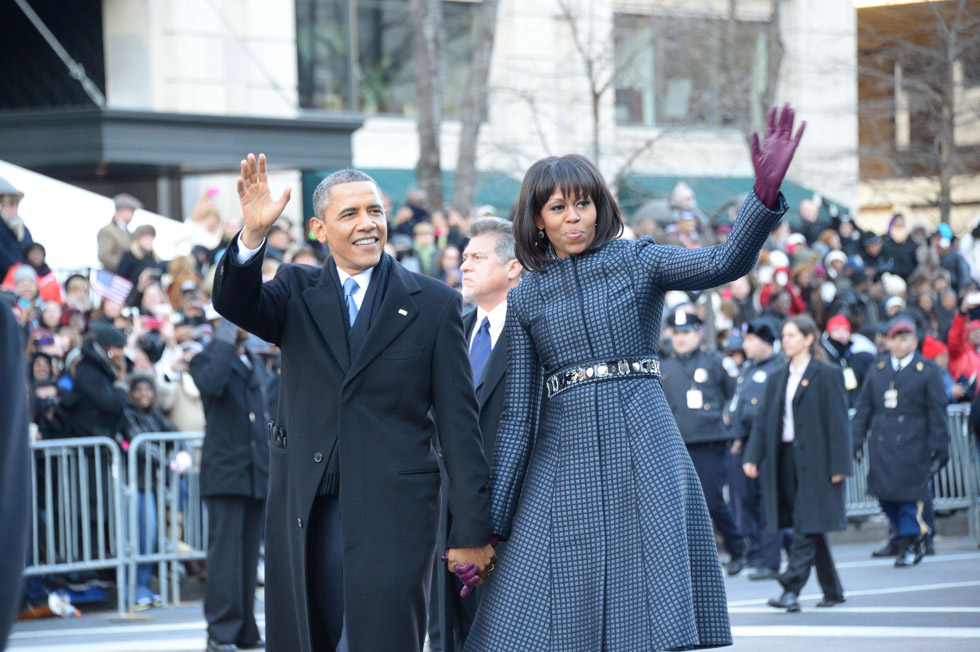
(77, 512)
(956, 486)
(171, 506)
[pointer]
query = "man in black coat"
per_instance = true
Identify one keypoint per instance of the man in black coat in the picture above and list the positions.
(367, 349)
(763, 546)
(902, 412)
(15, 475)
(15, 237)
(490, 269)
(698, 385)
(100, 391)
(234, 481)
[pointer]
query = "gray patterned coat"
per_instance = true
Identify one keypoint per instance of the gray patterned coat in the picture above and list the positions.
(610, 544)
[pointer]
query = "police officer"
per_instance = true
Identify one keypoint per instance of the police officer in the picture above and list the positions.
(697, 387)
(903, 402)
(763, 546)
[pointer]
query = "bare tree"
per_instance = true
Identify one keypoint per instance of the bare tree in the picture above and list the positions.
(472, 110)
(427, 48)
(910, 68)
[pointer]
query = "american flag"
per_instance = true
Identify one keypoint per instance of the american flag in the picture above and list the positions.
(112, 286)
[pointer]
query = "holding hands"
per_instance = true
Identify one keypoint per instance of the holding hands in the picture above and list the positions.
(259, 211)
(471, 565)
(772, 159)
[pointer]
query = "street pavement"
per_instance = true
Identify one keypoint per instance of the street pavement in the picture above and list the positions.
(932, 607)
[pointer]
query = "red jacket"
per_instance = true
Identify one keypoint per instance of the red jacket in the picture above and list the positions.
(964, 360)
(48, 287)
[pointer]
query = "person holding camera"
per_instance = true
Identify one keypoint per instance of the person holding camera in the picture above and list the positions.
(901, 411)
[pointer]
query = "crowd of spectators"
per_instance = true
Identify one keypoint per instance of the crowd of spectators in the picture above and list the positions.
(108, 350)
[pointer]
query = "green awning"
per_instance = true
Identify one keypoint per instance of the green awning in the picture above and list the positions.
(495, 188)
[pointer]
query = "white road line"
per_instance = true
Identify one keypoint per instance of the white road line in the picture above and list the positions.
(966, 556)
(886, 591)
(811, 631)
(172, 645)
(135, 629)
(865, 610)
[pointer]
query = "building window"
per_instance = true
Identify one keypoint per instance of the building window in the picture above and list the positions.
(384, 83)
(675, 70)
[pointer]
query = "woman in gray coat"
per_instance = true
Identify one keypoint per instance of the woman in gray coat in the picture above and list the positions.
(802, 435)
(610, 543)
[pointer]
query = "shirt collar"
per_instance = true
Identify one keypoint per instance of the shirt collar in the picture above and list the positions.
(362, 279)
(498, 315)
(801, 370)
(122, 225)
(904, 362)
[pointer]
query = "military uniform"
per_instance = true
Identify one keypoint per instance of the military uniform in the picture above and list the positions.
(763, 546)
(903, 415)
(698, 386)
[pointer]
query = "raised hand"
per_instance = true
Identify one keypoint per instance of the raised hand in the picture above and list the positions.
(772, 159)
(259, 210)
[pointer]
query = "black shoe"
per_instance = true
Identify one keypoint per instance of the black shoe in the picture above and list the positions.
(254, 645)
(830, 602)
(890, 549)
(764, 574)
(912, 552)
(225, 647)
(735, 566)
(788, 601)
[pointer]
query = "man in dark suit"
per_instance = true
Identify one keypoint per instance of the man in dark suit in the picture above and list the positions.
(234, 481)
(15, 460)
(490, 269)
(368, 349)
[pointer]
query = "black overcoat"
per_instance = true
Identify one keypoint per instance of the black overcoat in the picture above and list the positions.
(97, 402)
(902, 438)
(823, 446)
(15, 475)
(376, 408)
(235, 455)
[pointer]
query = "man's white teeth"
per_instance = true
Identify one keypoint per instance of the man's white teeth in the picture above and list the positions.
(366, 241)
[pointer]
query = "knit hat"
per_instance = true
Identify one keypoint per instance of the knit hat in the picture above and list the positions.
(931, 347)
(838, 321)
(25, 273)
(893, 284)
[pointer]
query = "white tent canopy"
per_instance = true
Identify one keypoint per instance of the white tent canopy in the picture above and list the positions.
(65, 219)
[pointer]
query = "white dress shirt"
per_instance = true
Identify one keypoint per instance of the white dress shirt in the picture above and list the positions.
(795, 376)
(363, 279)
(898, 365)
(497, 318)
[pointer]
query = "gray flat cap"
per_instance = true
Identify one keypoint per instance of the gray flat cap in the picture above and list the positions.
(124, 200)
(7, 188)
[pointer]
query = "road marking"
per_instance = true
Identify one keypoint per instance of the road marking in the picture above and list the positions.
(172, 645)
(871, 563)
(814, 631)
(865, 610)
(853, 594)
(111, 630)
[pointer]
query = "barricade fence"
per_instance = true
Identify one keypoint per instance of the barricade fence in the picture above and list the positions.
(91, 514)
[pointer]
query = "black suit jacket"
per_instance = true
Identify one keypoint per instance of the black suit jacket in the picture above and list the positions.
(822, 446)
(376, 407)
(15, 460)
(235, 456)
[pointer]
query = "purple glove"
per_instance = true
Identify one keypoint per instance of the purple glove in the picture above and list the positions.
(772, 159)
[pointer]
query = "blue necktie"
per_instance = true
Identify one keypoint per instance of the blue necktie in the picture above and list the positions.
(480, 351)
(350, 287)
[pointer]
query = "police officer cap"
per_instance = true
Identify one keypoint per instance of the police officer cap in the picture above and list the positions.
(733, 342)
(681, 320)
(762, 329)
(901, 325)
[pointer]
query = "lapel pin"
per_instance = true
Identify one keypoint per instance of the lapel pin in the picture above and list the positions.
(402, 312)
(804, 382)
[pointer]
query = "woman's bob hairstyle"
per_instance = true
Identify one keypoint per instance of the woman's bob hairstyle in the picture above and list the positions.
(576, 177)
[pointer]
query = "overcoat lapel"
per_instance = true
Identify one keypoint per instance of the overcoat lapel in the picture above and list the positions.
(806, 381)
(494, 371)
(323, 301)
(396, 312)
(781, 379)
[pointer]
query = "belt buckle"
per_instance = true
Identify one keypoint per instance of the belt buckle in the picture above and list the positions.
(552, 386)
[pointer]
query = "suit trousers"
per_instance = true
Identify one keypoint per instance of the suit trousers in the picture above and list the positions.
(325, 576)
(805, 550)
(763, 545)
(709, 462)
(234, 531)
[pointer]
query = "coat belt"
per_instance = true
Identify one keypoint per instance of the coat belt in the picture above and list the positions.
(585, 372)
